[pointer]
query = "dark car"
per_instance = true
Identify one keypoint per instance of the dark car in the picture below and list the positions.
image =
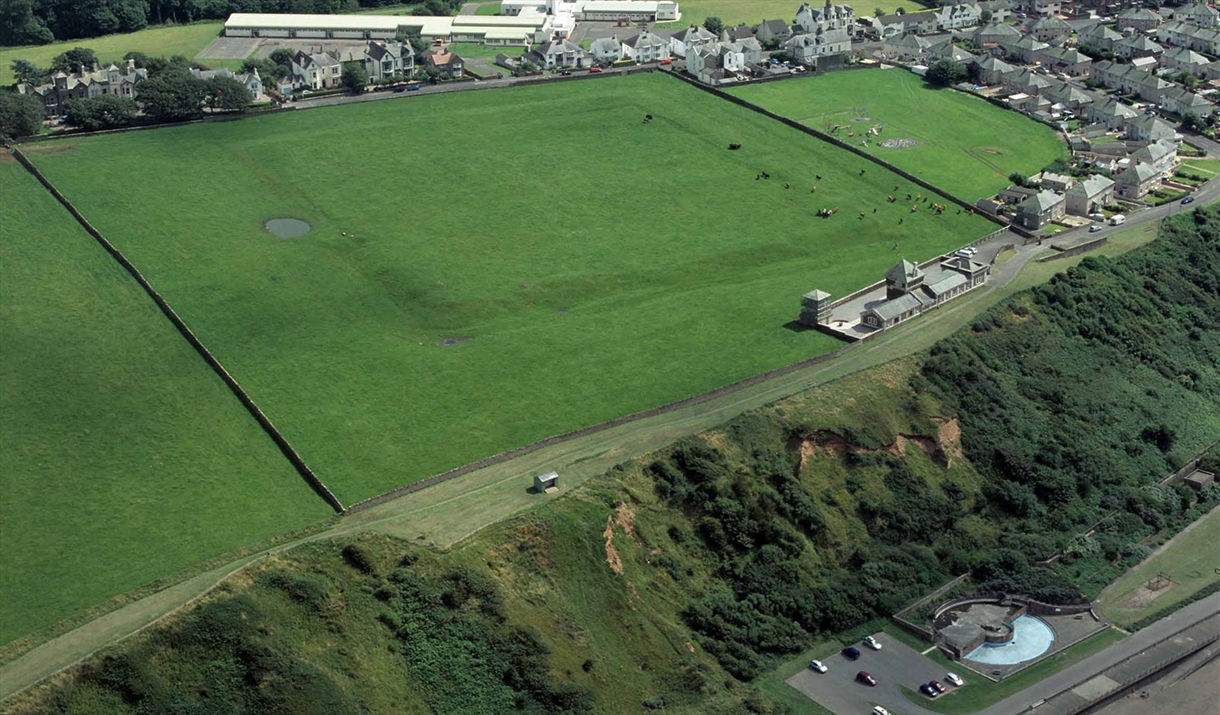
(400, 88)
(936, 686)
(851, 652)
(867, 679)
(412, 87)
(1188, 200)
(928, 690)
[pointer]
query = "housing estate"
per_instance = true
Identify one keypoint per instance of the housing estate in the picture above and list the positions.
(85, 84)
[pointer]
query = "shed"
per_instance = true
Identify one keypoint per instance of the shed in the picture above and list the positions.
(1199, 479)
(546, 482)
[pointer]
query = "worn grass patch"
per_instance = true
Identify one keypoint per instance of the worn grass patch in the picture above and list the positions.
(335, 334)
(122, 456)
(962, 144)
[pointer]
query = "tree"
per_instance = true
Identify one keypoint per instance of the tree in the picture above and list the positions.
(20, 115)
(105, 112)
(714, 25)
(879, 12)
(19, 25)
(1018, 179)
(266, 69)
(900, 11)
(283, 58)
(74, 58)
(26, 71)
(946, 72)
(985, 17)
(354, 77)
(171, 96)
(225, 94)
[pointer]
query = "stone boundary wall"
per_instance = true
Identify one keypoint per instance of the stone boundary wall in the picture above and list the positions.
(922, 630)
(1076, 250)
(280, 441)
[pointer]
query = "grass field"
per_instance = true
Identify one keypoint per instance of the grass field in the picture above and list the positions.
(964, 145)
(572, 295)
(1191, 561)
(166, 40)
(473, 49)
(752, 12)
(123, 458)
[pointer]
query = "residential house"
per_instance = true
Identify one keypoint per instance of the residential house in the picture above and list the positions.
(992, 70)
(1098, 36)
(1040, 209)
(1025, 82)
(1182, 59)
(1026, 49)
(922, 23)
(83, 84)
(1200, 14)
(315, 71)
(557, 54)
(1149, 128)
(1184, 103)
(1056, 182)
(382, 61)
(1147, 64)
(250, 80)
(1051, 30)
(1129, 80)
(887, 26)
(1040, 8)
(715, 64)
(439, 58)
(1090, 196)
(808, 47)
(774, 32)
(1000, 10)
(827, 17)
(1070, 96)
(1137, 46)
(606, 50)
(1139, 19)
(1137, 181)
(750, 48)
(994, 34)
(739, 33)
(906, 48)
(1160, 155)
(1112, 113)
(950, 51)
(646, 47)
(957, 16)
(1070, 62)
(1182, 34)
(683, 41)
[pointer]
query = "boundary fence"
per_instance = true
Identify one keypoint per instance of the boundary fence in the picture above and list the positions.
(280, 441)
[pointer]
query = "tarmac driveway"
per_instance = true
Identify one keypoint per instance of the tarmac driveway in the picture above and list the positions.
(893, 666)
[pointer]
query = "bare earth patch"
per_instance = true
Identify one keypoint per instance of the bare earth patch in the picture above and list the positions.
(453, 340)
(949, 435)
(899, 143)
(1140, 598)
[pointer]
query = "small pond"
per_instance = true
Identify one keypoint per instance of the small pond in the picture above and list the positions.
(287, 227)
(1031, 638)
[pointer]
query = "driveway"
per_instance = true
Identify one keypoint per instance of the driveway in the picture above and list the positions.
(894, 666)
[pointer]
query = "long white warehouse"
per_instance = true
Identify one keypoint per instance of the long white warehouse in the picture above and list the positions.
(519, 30)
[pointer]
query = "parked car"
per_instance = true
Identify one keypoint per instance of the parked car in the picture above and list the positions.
(928, 690)
(971, 250)
(666, 61)
(566, 73)
(867, 679)
(1188, 200)
(936, 686)
(818, 666)
(1117, 220)
(595, 70)
(1098, 217)
(851, 652)
(878, 710)
(872, 643)
(1094, 228)
(400, 88)
(962, 253)
(955, 679)
(412, 87)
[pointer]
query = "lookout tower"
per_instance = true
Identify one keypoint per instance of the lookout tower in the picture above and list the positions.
(815, 308)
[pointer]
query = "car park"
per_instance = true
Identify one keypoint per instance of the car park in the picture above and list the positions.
(867, 679)
(851, 652)
(955, 679)
(872, 643)
(935, 685)
(818, 665)
(928, 690)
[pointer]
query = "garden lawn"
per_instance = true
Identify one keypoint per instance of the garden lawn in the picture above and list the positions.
(1191, 561)
(473, 49)
(583, 264)
(964, 145)
(123, 458)
(166, 40)
(752, 12)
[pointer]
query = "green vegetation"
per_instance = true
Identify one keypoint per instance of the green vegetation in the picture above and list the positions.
(125, 458)
(473, 49)
(1190, 561)
(1207, 166)
(488, 9)
(964, 145)
(186, 40)
(341, 336)
(979, 693)
(752, 12)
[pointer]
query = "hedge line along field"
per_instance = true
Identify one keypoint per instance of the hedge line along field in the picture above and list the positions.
(487, 269)
(123, 458)
(962, 144)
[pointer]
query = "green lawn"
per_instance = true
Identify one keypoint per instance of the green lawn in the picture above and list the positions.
(490, 9)
(473, 49)
(123, 457)
(167, 40)
(979, 693)
(623, 265)
(1191, 561)
(1207, 166)
(964, 145)
(752, 12)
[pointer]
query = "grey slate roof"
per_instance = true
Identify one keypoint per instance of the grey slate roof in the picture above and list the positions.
(890, 309)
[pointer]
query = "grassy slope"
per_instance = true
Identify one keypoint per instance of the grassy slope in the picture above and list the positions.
(122, 458)
(586, 296)
(167, 40)
(752, 12)
(965, 145)
(1191, 561)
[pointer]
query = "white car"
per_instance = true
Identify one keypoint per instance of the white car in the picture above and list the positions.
(955, 679)
(971, 250)
(818, 666)
(872, 643)
(878, 710)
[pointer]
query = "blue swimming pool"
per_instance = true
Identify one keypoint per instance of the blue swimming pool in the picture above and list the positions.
(1031, 638)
